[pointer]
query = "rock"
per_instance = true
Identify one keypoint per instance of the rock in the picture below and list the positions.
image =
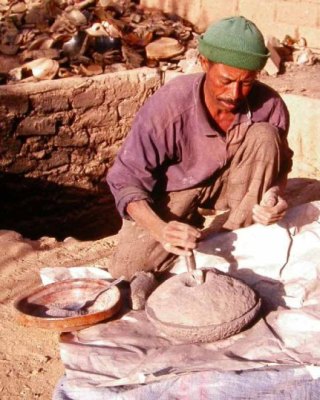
(43, 68)
(142, 285)
(273, 64)
(218, 308)
(164, 48)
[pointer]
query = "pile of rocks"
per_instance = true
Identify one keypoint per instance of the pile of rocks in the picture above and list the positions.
(62, 38)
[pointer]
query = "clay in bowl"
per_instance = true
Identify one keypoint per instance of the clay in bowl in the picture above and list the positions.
(39, 307)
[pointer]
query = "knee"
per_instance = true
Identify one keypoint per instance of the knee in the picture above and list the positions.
(263, 134)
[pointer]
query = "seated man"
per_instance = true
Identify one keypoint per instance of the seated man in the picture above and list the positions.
(216, 139)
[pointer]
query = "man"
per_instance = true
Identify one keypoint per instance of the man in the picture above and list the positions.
(214, 140)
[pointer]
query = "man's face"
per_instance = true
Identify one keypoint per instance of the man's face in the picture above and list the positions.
(226, 87)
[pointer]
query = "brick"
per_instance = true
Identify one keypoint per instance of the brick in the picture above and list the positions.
(39, 155)
(22, 166)
(80, 138)
(66, 138)
(201, 14)
(50, 102)
(280, 30)
(96, 117)
(88, 98)
(124, 89)
(33, 126)
(214, 10)
(97, 136)
(34, 144)
(312, 35)
(95, 170)
(108, 154)
(152, 82)
(106, 136)
(7, 63)
(17, 104)
(63, 139)
(128, 108)
(57, 159)
(6, 124)
(80, 157)
(64, 118)
(262, 13)
(299, 14)
(10, 146)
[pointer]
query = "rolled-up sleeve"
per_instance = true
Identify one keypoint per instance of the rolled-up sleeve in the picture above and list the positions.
(132, 176)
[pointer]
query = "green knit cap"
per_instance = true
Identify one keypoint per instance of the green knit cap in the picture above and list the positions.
(234, 41)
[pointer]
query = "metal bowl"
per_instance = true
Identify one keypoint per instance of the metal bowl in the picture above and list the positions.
(33, 309)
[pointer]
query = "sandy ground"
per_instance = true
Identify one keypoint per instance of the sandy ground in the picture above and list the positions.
(29, 357)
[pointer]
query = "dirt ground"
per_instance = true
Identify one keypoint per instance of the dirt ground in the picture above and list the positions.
(29, 357)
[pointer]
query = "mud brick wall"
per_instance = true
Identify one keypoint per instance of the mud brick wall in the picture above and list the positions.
(68, 131)
(297, 18)
(57, 140)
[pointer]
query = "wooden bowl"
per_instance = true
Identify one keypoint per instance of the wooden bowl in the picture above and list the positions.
(32, 309)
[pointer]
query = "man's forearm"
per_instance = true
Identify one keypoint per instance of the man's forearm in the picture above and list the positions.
(176, 237)
(141, 212)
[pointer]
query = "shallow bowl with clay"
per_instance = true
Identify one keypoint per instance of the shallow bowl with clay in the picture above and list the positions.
(40, 307)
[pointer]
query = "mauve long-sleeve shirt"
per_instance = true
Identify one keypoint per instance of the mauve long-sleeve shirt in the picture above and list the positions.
(173, 145)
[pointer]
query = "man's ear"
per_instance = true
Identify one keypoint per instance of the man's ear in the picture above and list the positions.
(205, 63)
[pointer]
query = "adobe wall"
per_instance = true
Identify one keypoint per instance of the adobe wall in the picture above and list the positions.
(68, 131)
(57, 140)
(297, 18)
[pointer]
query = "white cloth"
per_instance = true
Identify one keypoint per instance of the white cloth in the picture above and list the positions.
(281, 262)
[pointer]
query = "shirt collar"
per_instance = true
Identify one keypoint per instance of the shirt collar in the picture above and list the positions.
(243, 116)
(201, 114)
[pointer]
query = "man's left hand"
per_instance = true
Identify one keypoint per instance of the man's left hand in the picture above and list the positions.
(271, 208)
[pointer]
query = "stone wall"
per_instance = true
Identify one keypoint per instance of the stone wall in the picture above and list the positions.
(68, 131)
(57, 140)
(297, 18)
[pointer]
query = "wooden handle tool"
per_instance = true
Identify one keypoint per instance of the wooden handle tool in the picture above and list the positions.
(192, 269)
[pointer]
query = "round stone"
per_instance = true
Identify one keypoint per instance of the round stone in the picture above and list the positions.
(216, 309)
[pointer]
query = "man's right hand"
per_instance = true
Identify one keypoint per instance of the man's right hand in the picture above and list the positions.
(176, 237)
(179, 238)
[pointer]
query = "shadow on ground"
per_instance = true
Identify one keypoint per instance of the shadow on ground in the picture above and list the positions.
(302, 190)
(36, 208)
